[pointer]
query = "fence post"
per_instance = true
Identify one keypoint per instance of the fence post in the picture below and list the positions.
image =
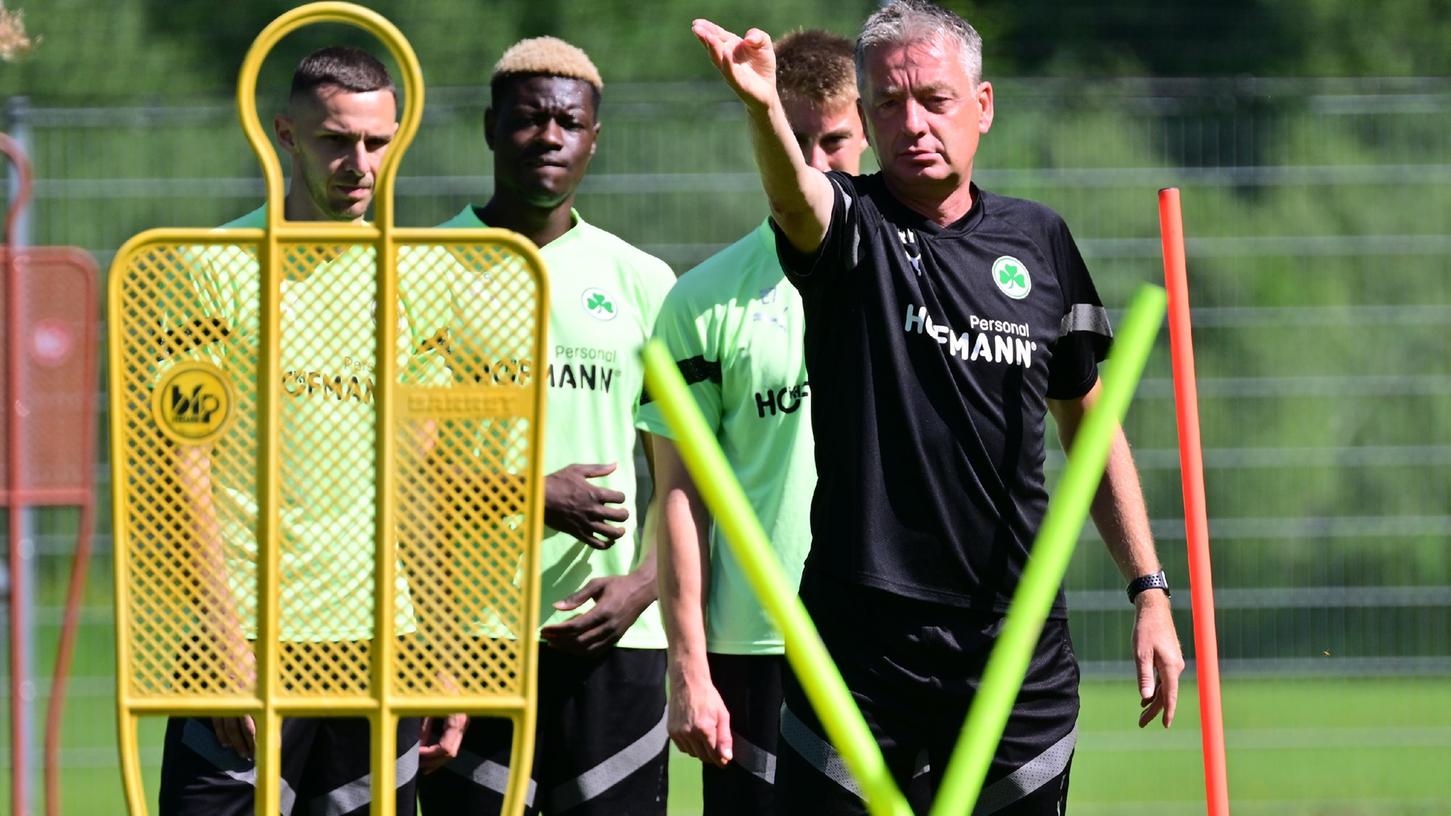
(21, 584)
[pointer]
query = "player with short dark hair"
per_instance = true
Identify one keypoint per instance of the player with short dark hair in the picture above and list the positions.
(336, 130)
(735, 328)
(342, 67)
(601, 745)
(341, 115)
(943, 324)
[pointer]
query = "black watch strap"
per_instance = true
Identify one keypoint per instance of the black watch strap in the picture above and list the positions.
(1154, 580)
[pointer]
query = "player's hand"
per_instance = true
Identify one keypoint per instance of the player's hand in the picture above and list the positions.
(574, 505)
(238, 734)
(748, 63)
(697, 719)
(436, 750)
(1157, 656)
(618, 601)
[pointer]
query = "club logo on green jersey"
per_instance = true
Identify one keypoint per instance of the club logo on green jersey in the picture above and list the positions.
(598, 303)
(1011, 276)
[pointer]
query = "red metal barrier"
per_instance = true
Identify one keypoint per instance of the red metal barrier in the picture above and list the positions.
(49, 446)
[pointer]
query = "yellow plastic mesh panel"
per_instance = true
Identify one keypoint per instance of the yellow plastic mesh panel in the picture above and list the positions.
(327, 452)
(465, 436)
(179, 310)
(463, 476)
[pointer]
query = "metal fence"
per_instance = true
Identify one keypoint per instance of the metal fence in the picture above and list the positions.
(1319, 222)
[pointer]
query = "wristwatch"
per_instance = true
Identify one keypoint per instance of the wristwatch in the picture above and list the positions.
(1154, 580)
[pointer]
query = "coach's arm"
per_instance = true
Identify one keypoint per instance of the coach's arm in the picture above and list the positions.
(1118, 511)
(800, 196)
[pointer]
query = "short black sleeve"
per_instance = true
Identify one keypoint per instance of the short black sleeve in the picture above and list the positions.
(839, 248)
(1085, 334)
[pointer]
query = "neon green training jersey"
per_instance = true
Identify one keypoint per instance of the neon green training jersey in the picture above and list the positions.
(326, 523)
(604, 296)
(735, 327)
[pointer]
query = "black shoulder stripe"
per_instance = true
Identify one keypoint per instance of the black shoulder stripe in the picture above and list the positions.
(694, 370)
(1086, 317)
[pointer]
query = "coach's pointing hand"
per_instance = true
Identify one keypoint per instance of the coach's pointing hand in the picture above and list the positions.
(574, 505)
(748, 63)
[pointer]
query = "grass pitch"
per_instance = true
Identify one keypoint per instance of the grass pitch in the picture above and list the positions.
(1297, 747)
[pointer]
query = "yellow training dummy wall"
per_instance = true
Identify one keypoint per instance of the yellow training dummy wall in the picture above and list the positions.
(327, 490)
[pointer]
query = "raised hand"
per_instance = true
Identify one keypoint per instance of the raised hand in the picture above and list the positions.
(748, 63)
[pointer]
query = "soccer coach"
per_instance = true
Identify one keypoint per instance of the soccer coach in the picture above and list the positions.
(943, 322)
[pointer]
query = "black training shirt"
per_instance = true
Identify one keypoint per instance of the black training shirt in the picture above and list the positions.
(932, 352)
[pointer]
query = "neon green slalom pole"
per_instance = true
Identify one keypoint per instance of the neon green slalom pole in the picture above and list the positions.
(1048, 560)
(819, 677)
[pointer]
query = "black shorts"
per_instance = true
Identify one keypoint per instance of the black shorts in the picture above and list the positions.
(913, 668)
(600, 747)
(750, 687)
(325, 769)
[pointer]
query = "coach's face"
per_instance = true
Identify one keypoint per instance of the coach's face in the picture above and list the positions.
(543, 136)
(337, 140)
(923, 113)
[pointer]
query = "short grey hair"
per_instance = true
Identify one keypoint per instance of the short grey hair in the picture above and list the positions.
(909, 21)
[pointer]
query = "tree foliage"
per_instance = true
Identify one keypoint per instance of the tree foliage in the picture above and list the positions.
(108, 49)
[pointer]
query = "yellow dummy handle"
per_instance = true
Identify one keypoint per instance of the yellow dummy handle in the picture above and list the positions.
(412, 77)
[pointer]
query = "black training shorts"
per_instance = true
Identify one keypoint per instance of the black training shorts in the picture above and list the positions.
(325, 769)
(600, 749)
(913, 668)
(750, 687)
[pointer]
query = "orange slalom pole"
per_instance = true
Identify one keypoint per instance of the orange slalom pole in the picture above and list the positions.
(1196, 518)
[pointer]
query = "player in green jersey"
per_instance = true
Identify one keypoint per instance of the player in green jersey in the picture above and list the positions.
(601, 746)
(734, 326)
(340, 117)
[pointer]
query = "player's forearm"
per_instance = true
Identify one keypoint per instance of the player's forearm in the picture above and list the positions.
(683, 565)
(799, 196)
(646, 573)
(195, 475)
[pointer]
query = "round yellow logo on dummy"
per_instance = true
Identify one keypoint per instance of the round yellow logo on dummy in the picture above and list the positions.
(193, 403)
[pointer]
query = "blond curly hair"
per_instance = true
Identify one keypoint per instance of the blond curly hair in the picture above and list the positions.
(547, 56)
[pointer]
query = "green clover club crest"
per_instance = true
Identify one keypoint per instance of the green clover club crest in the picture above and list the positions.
(1011, 276)
(598, 303)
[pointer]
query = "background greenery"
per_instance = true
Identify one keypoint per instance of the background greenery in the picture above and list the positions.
(141, 49)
